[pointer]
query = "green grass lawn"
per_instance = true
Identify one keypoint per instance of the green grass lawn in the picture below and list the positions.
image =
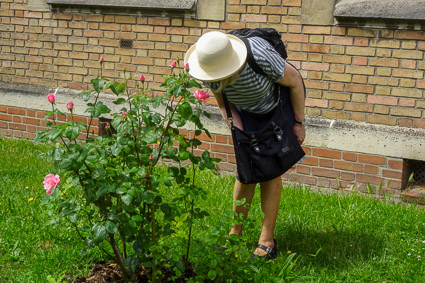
(322, 237)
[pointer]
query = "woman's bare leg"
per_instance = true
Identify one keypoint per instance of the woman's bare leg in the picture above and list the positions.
(242, 191)
(270, 201)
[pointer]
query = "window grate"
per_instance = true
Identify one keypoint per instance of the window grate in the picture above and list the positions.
(125, 43)
(416, 169)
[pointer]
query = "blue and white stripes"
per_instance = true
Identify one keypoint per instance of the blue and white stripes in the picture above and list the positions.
(253, 92)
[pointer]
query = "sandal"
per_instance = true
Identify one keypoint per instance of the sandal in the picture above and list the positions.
(271, 253)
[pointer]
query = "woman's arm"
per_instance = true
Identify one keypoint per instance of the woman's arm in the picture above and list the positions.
(293, 80)
(235, 114)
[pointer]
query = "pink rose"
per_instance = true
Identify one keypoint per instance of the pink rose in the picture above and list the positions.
(142, 78)
(174, 64)
(186, 66)
(101, 59)
(50, 182)
(51, 98)
(201, 95)
(70, 106)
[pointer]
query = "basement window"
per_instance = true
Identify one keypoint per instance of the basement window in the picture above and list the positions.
(415, 177)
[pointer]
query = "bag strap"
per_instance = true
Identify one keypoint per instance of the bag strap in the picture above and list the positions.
(227, 106)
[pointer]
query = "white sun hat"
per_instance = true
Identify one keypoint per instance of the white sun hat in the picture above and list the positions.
(215, 56)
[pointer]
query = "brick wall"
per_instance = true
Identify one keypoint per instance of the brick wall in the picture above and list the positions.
(374, 76)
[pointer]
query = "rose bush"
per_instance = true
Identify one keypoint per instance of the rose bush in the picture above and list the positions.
(113, 192)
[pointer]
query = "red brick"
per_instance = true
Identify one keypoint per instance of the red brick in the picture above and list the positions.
(3, 108)
(395, 164)
(325, 172)
(222, 148)
(383, 100)
(338, 40)
(373, 180)
(349, 156)
(303, 169)
(220, 139)
(326, 163)
(18, 111)
(347, 176)
(15, 126)
(311, 161)
(371, 159)
(348, 166)
(5, 117)
(392, 174)
(328, 153)
(370, 169)
(362, 61)
(303, 179)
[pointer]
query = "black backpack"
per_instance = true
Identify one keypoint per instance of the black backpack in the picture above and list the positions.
(269, 34)
(274, 38)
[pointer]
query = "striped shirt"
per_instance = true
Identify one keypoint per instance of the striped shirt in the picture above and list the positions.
(251, 91)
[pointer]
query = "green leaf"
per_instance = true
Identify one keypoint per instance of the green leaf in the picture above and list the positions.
(99, 233)
(166, 182)
(185, 110)
(195, 83)
(73, 218)
(184, 155)
(100, 109)
(116, 149)
(66, 163)
(102, 191)
(173, 170)
(212, 274)
(206, 155)
(137, 218)
(118, 88)
(147, 197)
(127, 199)
(72, 132)
(166, 209)
(98, 84)
(111, 227)
(120, 101)
(86, 95)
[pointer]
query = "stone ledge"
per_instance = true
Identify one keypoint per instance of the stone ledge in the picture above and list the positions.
(412, 10)
(145, 4)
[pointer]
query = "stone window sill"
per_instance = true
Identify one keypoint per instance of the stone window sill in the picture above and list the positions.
(182, 5)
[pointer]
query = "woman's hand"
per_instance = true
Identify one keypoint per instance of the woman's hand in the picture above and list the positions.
(299, 131)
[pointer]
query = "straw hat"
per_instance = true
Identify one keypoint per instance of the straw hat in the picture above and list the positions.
(215, 56)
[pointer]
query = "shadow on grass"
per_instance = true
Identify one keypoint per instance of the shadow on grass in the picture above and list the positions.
(332, 249)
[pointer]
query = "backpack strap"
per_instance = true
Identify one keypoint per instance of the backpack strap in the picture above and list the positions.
(250, 57)
(227, 106)
(253, 64)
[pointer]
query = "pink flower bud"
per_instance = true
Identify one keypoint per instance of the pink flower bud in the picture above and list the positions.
(107, 126)
(51, 98)
(101, 59)
(151, 157)
(186, 66)
(201, 95)
(174, 64)
(142, 78)
(123, 113)
(70, 106)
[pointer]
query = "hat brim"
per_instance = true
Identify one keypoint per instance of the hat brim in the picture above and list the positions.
(234, 64)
